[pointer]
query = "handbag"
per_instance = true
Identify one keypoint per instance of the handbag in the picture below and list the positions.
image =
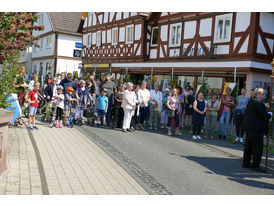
(170, 113)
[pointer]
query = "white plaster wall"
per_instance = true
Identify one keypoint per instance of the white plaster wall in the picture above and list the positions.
(236, 41)
(89, 21)
(164, 14)
(174, 52)
(45, 51)
(223, 49)
(244, 46)
(205, 27)
(100, 18)
(190, 29)
(111, 16)
(260, 46)
(126, 15)
(94, 19)
(242, 21)
(85, 39)
(118, 15)
(270, 44)
(133, 13)
(86, 22)
(138, 31)
(65, 65)
(106, 17)
(153, 53)
(164, 32)
(46, 24)
(267, 22)
(122, 34)
(66, 45)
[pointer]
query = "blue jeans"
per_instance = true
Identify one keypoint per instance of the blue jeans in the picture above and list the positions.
(224, 121)
(110, 103)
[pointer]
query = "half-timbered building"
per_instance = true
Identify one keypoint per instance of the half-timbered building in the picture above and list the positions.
(184, 45)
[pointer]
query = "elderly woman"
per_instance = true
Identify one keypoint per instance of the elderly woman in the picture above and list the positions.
(118, 111)
(155, 107)
(82, 96)
(129, 105)
(212, 109)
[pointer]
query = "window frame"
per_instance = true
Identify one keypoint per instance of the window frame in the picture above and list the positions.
(41, 44)
(49, 42)
(41, 19)
(127, 40)
(98, 43)
(89, 42)
(224, 17)
(176, 32)
(152, 30)
(112, 35)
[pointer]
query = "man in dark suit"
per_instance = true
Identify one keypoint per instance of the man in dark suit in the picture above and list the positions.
(256, 126)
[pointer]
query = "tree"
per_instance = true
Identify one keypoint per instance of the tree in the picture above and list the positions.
(15, 35)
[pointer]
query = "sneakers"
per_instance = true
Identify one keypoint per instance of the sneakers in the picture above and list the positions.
(150, 127)
(60, 126)
(169, 133)
(162, 127)
(124, 130)
(237, 139)
(241, 140)
(29, 128)
(57, 125)
(199, 137)
(194, 137)
(178, 133)
(35, 127)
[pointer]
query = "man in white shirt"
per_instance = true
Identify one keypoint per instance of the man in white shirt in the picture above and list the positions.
(144, 97)
(155, 106)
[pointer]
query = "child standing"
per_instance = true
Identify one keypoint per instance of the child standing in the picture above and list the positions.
(59, 98)
(68, 102)
(102, 107)
(33, 100)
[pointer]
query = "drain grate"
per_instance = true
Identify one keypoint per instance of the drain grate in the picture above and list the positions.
(148, 182)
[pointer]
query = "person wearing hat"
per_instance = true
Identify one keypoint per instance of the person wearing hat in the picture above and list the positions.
(111, 89)
(59, 101)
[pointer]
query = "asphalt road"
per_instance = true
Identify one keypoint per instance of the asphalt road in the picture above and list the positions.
(180, 165)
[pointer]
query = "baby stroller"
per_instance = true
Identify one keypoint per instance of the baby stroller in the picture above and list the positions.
(89, 113)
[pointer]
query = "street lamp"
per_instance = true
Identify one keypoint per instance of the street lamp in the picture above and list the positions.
(270, 104)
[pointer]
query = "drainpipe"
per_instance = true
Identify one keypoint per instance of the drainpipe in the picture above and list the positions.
(55, 53)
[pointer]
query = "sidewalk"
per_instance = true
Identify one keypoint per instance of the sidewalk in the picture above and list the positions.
(71, 164)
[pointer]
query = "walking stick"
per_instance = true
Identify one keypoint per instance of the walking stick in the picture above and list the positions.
(269, 123)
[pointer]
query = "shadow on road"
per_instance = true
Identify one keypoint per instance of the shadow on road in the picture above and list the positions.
(231, 168)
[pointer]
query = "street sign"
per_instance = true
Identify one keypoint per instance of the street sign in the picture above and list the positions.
(78, 45)
(77, 53)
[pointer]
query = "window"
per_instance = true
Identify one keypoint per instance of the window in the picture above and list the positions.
(175, 35)
(99, 38)
(35, 69)
(89, 40)
(41, 44)
(223, 24)
(49, 40)
(129, 34)
(154, 36)
(114, 36)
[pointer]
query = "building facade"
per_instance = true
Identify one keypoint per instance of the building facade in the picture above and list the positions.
(60, 43)
(184, 45)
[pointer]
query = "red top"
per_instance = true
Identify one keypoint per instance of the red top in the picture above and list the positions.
(34, 97)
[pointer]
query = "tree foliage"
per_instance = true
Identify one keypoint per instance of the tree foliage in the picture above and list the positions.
(15, 36)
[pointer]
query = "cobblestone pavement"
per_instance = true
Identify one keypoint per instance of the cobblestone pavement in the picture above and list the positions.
(70, 163)
(22, 175)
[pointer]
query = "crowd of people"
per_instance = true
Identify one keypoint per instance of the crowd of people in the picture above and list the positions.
(132, 107)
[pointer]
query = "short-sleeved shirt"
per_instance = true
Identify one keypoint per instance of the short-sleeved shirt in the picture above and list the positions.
(34, 97)
(227, 99)
(68, 103)
(242, 102)
(143, 94)
(59, 102)
(173, 102)
(102, 102)
(110, 86)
